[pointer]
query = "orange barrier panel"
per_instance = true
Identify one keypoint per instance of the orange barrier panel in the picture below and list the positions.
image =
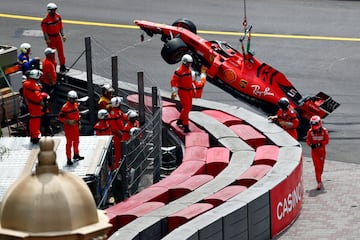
(180, 131)
(224, 194)
(114, 211)
(253, 174)
(130, 215)
(190, 168)
(266, 154)
(217, 159)
(223, 117)
(184, 215)
(197, 139)
(152, 194)
(188, 186)
(169, 114)
(195, 153)
(250, 135)
(172, 180)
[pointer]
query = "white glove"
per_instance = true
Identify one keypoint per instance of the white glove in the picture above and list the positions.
(173, 93)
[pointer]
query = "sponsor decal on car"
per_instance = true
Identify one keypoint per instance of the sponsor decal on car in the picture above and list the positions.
(243, 83)
(229, 75)
(258, 92)
(211, 58)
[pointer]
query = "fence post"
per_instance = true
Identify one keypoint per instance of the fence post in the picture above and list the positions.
(114, 74)
(157, 133)
(90, 85)
(141, 91)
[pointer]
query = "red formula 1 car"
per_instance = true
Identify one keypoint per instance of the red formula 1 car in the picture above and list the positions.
(238, 73)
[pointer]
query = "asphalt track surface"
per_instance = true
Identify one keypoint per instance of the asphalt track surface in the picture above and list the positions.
(315, 43)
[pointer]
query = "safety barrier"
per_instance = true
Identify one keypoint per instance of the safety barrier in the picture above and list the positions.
(256, 195)
(217, 159)
(198, 153)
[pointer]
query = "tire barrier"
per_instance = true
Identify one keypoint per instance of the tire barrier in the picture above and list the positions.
(240, 178)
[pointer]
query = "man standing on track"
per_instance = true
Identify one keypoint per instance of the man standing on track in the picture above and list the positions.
(49, 77)
(54, 36)
(116, 121)
(317, 138)
(182, 83)
(34, 100)
(69, 115)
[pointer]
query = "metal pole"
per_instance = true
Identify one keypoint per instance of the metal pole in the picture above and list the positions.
(157, 133)
(141, 91)
(90, 85)
(114, 74)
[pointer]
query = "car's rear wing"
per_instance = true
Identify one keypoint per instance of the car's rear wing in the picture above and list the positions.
(321, 104)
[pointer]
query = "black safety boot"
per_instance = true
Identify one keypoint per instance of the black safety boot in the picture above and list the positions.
(186, 129)
(35, 140)
(63, 69)
(69, 162)
(179, 123)
(77, 157)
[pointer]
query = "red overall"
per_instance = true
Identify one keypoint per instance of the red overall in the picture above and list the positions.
(116, 121)
(182, 80)
(34, 102)
(317, 140)
(288, 120)
(52, 27)
(102, 127)
(70, 111)
(49, 77)
(127, 127)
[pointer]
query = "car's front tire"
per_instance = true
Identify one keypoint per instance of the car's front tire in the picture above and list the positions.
(173, 50)
(185, 23)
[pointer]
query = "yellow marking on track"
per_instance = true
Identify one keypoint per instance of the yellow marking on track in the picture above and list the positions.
(126, 26)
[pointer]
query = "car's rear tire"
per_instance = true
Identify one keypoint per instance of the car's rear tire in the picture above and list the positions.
(173, 50)
(185, 23)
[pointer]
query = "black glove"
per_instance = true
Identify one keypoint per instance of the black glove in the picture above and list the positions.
(316, 145)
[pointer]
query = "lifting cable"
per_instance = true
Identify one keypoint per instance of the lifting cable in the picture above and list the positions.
(247, 33)
(72, 65)
(245, 20)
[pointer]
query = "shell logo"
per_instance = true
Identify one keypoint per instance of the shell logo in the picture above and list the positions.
(229, 75)
(211, 58)
(243, 83)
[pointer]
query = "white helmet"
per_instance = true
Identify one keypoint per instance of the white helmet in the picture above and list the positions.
(107, 88)
(51, 6)
(315, 122)
(187, 59)
(24, 47)
(103, 114)
(132, 114)
(35, 74)
(48, 51)
(72, 94)
(134, 131)
(116, 101)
